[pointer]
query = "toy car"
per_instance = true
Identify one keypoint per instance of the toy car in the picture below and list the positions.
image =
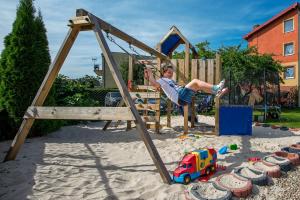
(195, 164)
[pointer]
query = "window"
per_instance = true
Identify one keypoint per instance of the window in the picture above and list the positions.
(289, 49)
(289, 72)
(288, 25)
(189, 166)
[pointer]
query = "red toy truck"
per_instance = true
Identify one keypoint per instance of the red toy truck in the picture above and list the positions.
(195, 164)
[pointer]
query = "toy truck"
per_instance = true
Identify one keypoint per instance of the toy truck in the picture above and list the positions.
(195, 164)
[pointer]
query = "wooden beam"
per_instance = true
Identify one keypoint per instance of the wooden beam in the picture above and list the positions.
(42, 92)
(202, 70)
(193, 112)
(186, 119)
(219, 68)
(145, 87)
(169, 111)
(174, 63)
(187, 63)
(194, 69)
(153, 107)
(217, 116)
(120, 34)
(210, 71)
(79, 113)
(81, 20)
(140, 125)
(181, 72)
(145, 95)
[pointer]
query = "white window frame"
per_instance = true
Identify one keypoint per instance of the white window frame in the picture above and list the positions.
(284, 45)
(288, 78)
(284, 25)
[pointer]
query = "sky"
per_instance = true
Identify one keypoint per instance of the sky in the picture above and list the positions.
(220, 22)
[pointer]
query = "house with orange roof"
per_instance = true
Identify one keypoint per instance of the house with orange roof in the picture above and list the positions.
(279, 36)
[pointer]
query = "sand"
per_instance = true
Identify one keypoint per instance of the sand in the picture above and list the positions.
(231, 181)
(208, 191)
(276, 159)
(246, 172)
(84, 162)
(264, 167)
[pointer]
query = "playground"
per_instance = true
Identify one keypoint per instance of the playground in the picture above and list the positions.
(114, 164)
(126, 149)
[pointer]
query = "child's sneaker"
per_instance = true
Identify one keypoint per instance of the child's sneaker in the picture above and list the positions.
(221, 84)
(220, 93)
(219, 87)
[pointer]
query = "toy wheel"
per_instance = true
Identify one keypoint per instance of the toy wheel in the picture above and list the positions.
(187, 179)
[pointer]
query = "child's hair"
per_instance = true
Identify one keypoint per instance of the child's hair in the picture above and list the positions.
(165, 67)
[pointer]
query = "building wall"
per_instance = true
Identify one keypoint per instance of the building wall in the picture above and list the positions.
(120, 58)
(271, 39)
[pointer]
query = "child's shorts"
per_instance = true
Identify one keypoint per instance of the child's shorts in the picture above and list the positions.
(185, 95)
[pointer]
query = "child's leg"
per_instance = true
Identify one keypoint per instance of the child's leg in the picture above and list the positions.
(198, 85)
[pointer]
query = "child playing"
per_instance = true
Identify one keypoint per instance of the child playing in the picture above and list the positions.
(182, 95)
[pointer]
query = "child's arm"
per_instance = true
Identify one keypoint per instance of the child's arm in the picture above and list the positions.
(149, 76)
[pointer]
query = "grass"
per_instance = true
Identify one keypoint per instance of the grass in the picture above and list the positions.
(288, 117)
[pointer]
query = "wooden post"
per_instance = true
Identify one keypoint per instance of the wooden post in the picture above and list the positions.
(140, 125)
(217, 116)
(194, 75)
(193, 112)
(43, 92)
(130, 79)
(169, 110)
(187, 63)
(186, 119)
(218, 68)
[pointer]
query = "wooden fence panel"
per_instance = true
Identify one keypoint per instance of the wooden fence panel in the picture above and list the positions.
(174, 62)
(194, 70)
(202, 70)
(210, 71)
(181, 73)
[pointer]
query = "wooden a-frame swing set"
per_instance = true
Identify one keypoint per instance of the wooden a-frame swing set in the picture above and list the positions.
(85, 21)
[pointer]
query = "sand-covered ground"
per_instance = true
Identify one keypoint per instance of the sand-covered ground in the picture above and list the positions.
(84, 162)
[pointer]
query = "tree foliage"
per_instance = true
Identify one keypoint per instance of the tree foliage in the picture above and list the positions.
(138, 73)
(246, 65)
(23, 65)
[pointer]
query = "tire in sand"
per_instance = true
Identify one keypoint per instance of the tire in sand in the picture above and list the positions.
(284, 163)
(239, 186)
(294, 148)
(289, 150)
(257, 177)
(293, 157)
(271, 169)
(207, 191)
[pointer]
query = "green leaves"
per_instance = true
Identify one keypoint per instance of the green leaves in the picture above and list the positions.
(23, 66)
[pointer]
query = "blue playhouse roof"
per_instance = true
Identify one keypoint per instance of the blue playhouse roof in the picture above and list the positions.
(169, 44)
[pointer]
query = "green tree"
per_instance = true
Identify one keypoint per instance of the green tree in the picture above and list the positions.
(138, 73)
(17, 62)
(24, 63)
(204, 50)
(245, 68)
